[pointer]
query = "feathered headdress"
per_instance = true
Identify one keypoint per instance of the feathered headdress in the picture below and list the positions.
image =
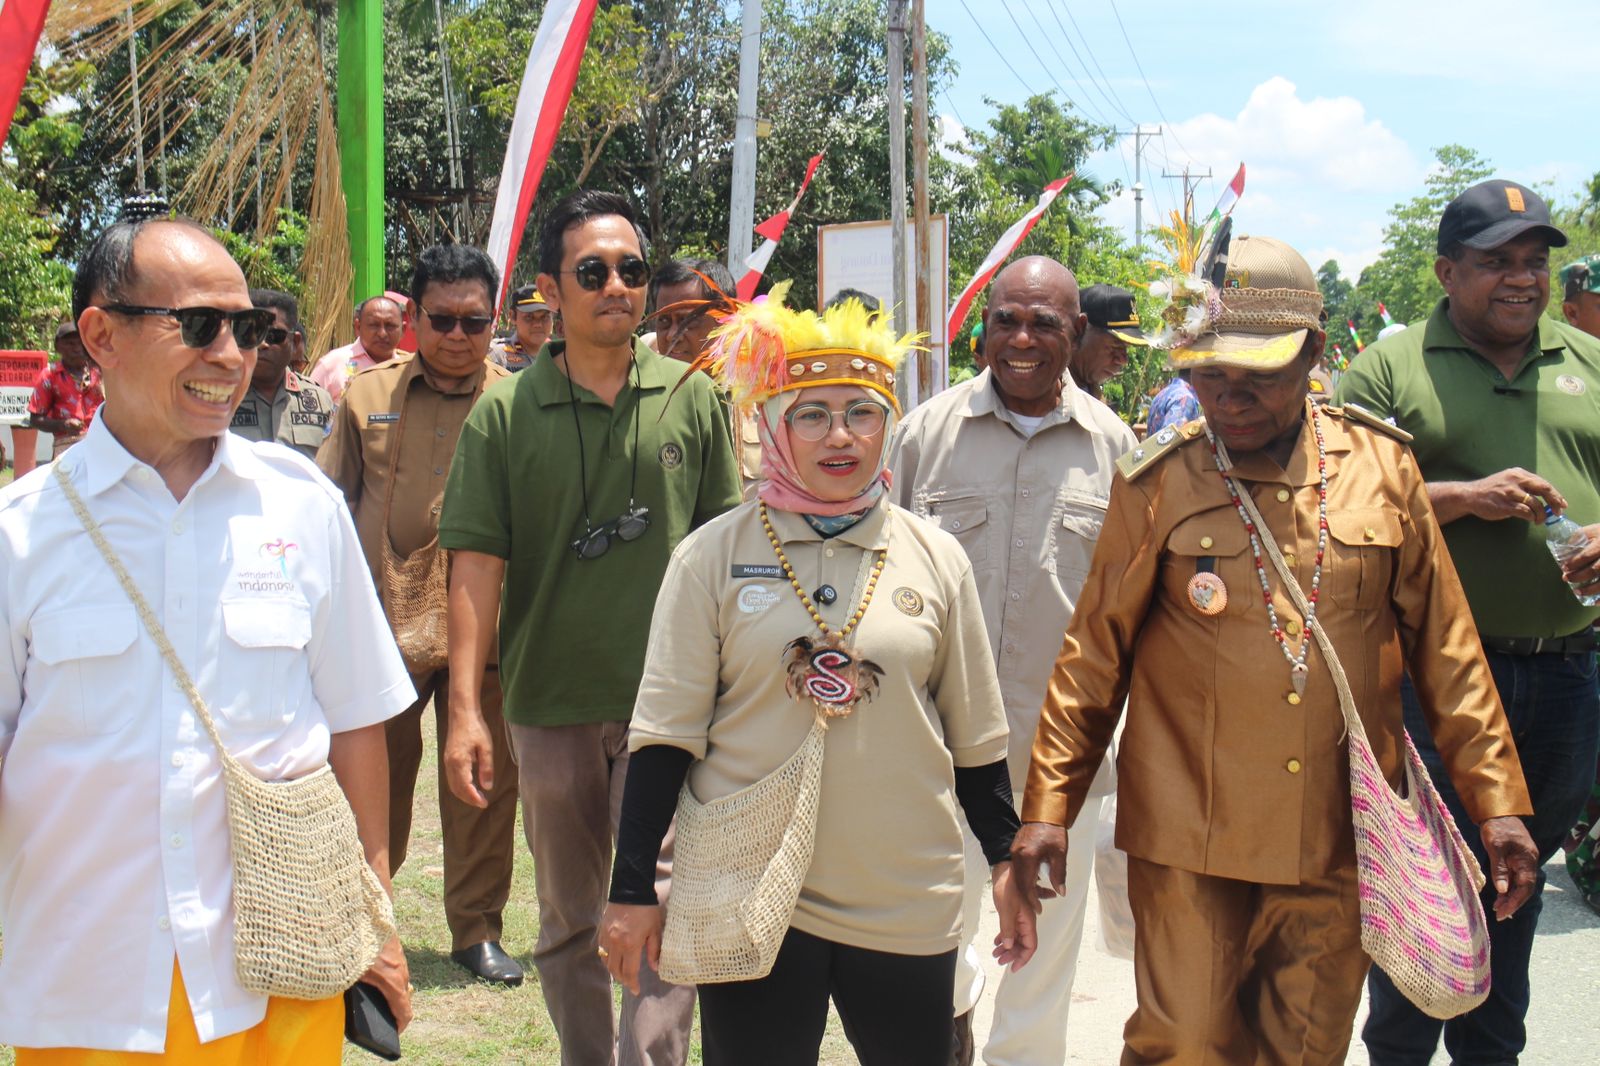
(762, 349)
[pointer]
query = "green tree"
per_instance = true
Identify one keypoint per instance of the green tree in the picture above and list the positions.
(35, 287)
(1402, 277)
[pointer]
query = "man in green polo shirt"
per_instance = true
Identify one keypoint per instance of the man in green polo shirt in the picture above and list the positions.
(571, 486)
(1504, 405)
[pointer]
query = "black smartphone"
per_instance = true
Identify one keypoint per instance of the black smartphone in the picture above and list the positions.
(369, 1023)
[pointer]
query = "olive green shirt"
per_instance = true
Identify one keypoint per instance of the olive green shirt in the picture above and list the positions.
(573, 631)
(1469, 422)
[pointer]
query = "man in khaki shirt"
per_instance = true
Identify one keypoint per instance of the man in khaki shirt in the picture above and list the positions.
(1233, 784)
(1017, 464)
(394, 435)
(282, 405)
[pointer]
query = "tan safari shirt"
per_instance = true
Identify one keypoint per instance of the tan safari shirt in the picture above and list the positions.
(386, 402)
(887, 871)
(1222, 770)
(297, 415)
(1027, 509)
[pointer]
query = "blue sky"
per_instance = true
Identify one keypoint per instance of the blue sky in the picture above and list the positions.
(1335, 109)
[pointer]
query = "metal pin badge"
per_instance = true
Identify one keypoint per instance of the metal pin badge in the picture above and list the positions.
(825, 595)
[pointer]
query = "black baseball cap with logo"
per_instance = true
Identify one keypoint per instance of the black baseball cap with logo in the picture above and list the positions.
(1111, 309)
(1493, 212)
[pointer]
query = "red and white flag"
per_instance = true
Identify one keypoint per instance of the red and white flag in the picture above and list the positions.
(772, 229)
(547, 83)
(1002, 248)
(20, 23)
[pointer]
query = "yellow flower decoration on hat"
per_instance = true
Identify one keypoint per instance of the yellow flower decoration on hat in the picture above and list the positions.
(762, 349)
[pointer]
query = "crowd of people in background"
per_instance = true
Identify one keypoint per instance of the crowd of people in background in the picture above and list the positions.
(656, 551)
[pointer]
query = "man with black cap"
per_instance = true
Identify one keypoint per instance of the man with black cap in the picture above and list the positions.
(533, 319)
(1500, 401)
(1102, 351)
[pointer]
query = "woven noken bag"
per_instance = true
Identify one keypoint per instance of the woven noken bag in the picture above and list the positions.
(1421, 917)
(310, 916)
(415, 588)
(737, 866)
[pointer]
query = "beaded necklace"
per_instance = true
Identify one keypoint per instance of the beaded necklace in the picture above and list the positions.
(824, 670)
(1298, 671)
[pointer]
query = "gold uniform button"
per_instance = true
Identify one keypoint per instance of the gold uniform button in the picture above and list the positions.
(1290, 560)
(1292, 628)
(1283, 495)
(1293, 766)
(1293, 698)
(1369, 533)
(1206, 542)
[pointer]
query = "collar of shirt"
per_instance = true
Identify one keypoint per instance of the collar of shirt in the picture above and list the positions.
(871, 533)
(105, 462)
(984, 399)
(550, 382)
(1302, 468)
(1440, 334)
(415, 367)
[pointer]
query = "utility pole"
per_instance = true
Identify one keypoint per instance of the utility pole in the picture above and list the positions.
(897, 175)
(919, 185)
(742, 201)
(138, 111)
(452, 129)
(1140, 135)
(1188, 190)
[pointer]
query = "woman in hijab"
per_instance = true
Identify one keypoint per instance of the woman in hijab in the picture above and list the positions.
(821, 598)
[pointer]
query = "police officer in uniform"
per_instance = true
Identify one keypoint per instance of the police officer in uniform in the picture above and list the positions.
(281, 405)
(1233, 796)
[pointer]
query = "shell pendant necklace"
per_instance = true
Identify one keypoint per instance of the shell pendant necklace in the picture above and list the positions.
(1298, 671)
(824, 670)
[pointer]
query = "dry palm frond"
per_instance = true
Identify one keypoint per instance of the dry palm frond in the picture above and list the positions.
(270, 106)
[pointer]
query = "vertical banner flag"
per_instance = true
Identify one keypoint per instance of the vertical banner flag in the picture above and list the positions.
(1003, 247)
(1383, 313)
(772, 229)
(1355, 336)
(1229, 197)
(20, 24)
(547, 83)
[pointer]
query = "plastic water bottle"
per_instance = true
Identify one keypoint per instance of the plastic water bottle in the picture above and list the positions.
(1565, 538)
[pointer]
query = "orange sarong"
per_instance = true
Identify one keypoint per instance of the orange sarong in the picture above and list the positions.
(294, 1033)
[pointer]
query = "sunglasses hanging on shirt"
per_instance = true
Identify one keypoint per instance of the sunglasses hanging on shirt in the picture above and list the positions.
(632, 522)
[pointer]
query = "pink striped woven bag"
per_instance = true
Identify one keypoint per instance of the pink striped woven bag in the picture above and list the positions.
(1422, 919)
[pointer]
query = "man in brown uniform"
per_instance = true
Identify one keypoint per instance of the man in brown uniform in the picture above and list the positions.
(1233, 796)
(394, 436)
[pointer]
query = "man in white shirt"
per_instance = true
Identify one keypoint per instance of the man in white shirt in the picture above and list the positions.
(1017, 464)
(115, 871)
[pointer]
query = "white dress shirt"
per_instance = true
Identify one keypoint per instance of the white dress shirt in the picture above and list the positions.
(113, 830)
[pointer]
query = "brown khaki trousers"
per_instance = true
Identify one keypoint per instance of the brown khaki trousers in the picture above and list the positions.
(571, 779)
(479, 844)
(1231, 973)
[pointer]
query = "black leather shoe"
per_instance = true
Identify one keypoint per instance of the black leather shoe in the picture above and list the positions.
(489, 962)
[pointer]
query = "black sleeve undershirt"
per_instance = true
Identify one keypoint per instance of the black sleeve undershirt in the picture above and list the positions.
(984, 793)
(650, 798)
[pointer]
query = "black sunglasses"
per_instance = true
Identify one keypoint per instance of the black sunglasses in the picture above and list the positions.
(199, 326)
(471, 325)
(276, 335)
(629, 525)
(593, 273)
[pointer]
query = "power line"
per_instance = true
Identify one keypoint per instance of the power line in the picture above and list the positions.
(1029, 42)
(1082, 37)
(998, 54)
(1114, 106)
(1140, 68)
(953, 110)
(1082, 104)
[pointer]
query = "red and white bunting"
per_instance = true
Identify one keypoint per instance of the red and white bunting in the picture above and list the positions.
(772, 229)
(20, 24)
(1002, 248)
(547, 83)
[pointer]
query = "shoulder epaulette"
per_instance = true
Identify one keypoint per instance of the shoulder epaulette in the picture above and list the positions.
(1372, 421)
(1145, 454)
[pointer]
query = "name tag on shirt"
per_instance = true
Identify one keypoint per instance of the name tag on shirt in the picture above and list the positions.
(383, 416)
(306, 418)
(245, 416)
(757, 570)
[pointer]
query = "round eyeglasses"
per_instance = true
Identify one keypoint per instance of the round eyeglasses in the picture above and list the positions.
(814, 421)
